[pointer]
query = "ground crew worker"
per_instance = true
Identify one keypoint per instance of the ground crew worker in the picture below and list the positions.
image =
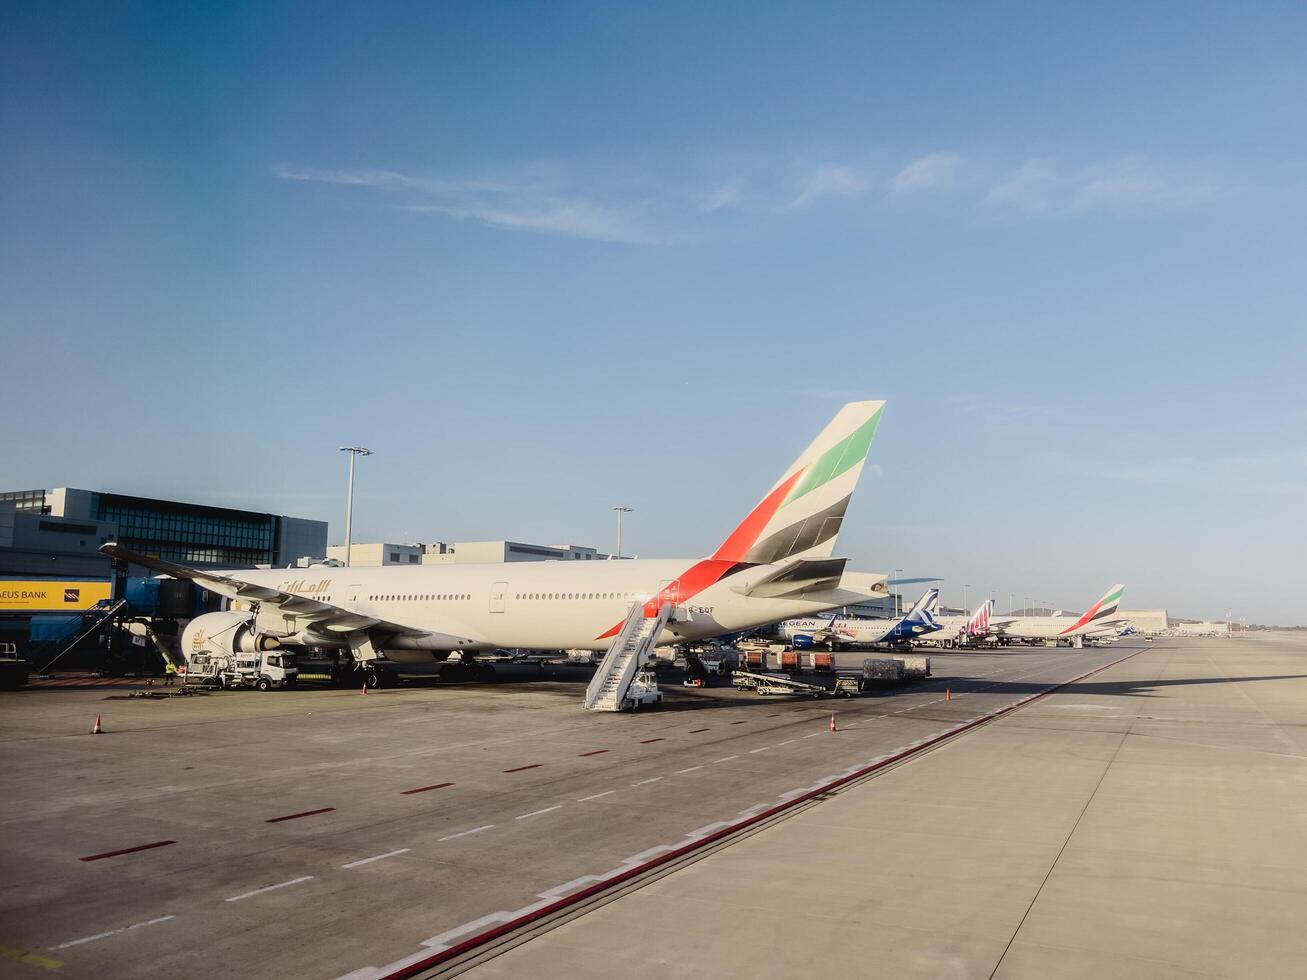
(170, 673)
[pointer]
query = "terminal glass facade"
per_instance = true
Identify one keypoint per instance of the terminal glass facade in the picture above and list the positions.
(190, 534)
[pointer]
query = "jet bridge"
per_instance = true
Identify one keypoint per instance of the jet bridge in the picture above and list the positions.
(623, 681)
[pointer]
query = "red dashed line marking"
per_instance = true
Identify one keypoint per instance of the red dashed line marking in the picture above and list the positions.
(696, 731)
(647, 741)
(534, 765)
(127, 850)
(595, 752)
(423, 789)
(296, 816)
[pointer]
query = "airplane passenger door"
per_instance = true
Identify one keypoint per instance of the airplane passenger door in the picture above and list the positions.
(670, 591)
(498, 596)
(354, 595)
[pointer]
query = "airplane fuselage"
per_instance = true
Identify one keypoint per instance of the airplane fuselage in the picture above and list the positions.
(841, 631)
(543, 605)
(1048, 628)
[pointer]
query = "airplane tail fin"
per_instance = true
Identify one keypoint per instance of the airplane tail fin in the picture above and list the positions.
(922, 605)
(801, 515)
(1104, 608)
(916, 620)
(978, 625)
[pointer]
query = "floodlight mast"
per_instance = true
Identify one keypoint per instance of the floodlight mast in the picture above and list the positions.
(620, 511)
(354, 453)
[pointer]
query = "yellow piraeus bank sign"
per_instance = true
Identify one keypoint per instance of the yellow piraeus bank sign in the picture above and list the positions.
(46, 596)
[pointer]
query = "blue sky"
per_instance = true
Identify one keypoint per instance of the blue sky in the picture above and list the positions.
(548, 258)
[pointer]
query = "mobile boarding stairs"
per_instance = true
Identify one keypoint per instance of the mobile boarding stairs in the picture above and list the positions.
(624, 680)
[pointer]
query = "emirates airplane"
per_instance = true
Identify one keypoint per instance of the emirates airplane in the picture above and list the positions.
(775, 565)
(1099, 618)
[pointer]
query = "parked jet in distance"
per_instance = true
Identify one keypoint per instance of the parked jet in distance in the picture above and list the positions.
(776, 564)
(1100, 617)
(954, 630)
(842, 632)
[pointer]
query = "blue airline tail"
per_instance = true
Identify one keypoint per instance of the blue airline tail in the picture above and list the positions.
(918, 619)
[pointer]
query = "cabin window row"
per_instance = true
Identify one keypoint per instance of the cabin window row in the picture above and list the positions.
(575, 595)
(425, 597)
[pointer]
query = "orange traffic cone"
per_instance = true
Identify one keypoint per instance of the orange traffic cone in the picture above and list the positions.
(832, 723)
(365, 687)
(948, 695)
(97, 730)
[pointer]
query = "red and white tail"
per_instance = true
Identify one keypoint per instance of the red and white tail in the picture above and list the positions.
(978, 625)
(801, 516)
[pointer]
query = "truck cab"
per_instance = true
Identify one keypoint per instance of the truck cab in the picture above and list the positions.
(264, 671)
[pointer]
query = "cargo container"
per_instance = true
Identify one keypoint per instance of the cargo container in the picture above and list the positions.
(883, 671)
(915, 668)
(820, 660)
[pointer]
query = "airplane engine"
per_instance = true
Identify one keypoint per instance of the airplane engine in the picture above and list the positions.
(802, 641)
(225, 633)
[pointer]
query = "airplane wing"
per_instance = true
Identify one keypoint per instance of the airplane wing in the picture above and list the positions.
(323, 615)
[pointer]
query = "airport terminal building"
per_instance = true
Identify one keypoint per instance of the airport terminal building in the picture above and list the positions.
(68, 521)
(50, 539)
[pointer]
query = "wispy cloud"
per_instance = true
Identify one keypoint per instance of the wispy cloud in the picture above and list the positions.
(533, 200)
(935, 171)
(1123, 185)
(830, 180)
(727, 195)
(592, 203)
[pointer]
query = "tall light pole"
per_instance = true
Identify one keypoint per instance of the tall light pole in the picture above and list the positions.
(964, 599)
(1009, 603)
(620, 511)
(898, 596)
(354, 453)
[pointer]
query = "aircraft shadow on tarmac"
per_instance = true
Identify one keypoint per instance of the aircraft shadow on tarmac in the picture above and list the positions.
(1132, 689)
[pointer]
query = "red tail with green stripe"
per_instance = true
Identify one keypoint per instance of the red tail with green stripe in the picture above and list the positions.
(1103, 609)
(801, 516)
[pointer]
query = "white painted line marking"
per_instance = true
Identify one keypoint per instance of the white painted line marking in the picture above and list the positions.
(756, 751)
(727, 759)
(378, 857)
(442, 942)
(691, 769)
(112, 932)
(474, 830)
(536, 813)
(270, 888)
(786, 742)
(596, 796)
(645, 782)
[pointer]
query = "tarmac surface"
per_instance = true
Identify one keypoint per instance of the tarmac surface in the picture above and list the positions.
(319, 833)
(1147, 822)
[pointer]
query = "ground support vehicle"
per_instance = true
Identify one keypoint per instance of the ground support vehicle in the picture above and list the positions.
(764, 683)
(262, 671)
(848, 686)
(643, 691)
